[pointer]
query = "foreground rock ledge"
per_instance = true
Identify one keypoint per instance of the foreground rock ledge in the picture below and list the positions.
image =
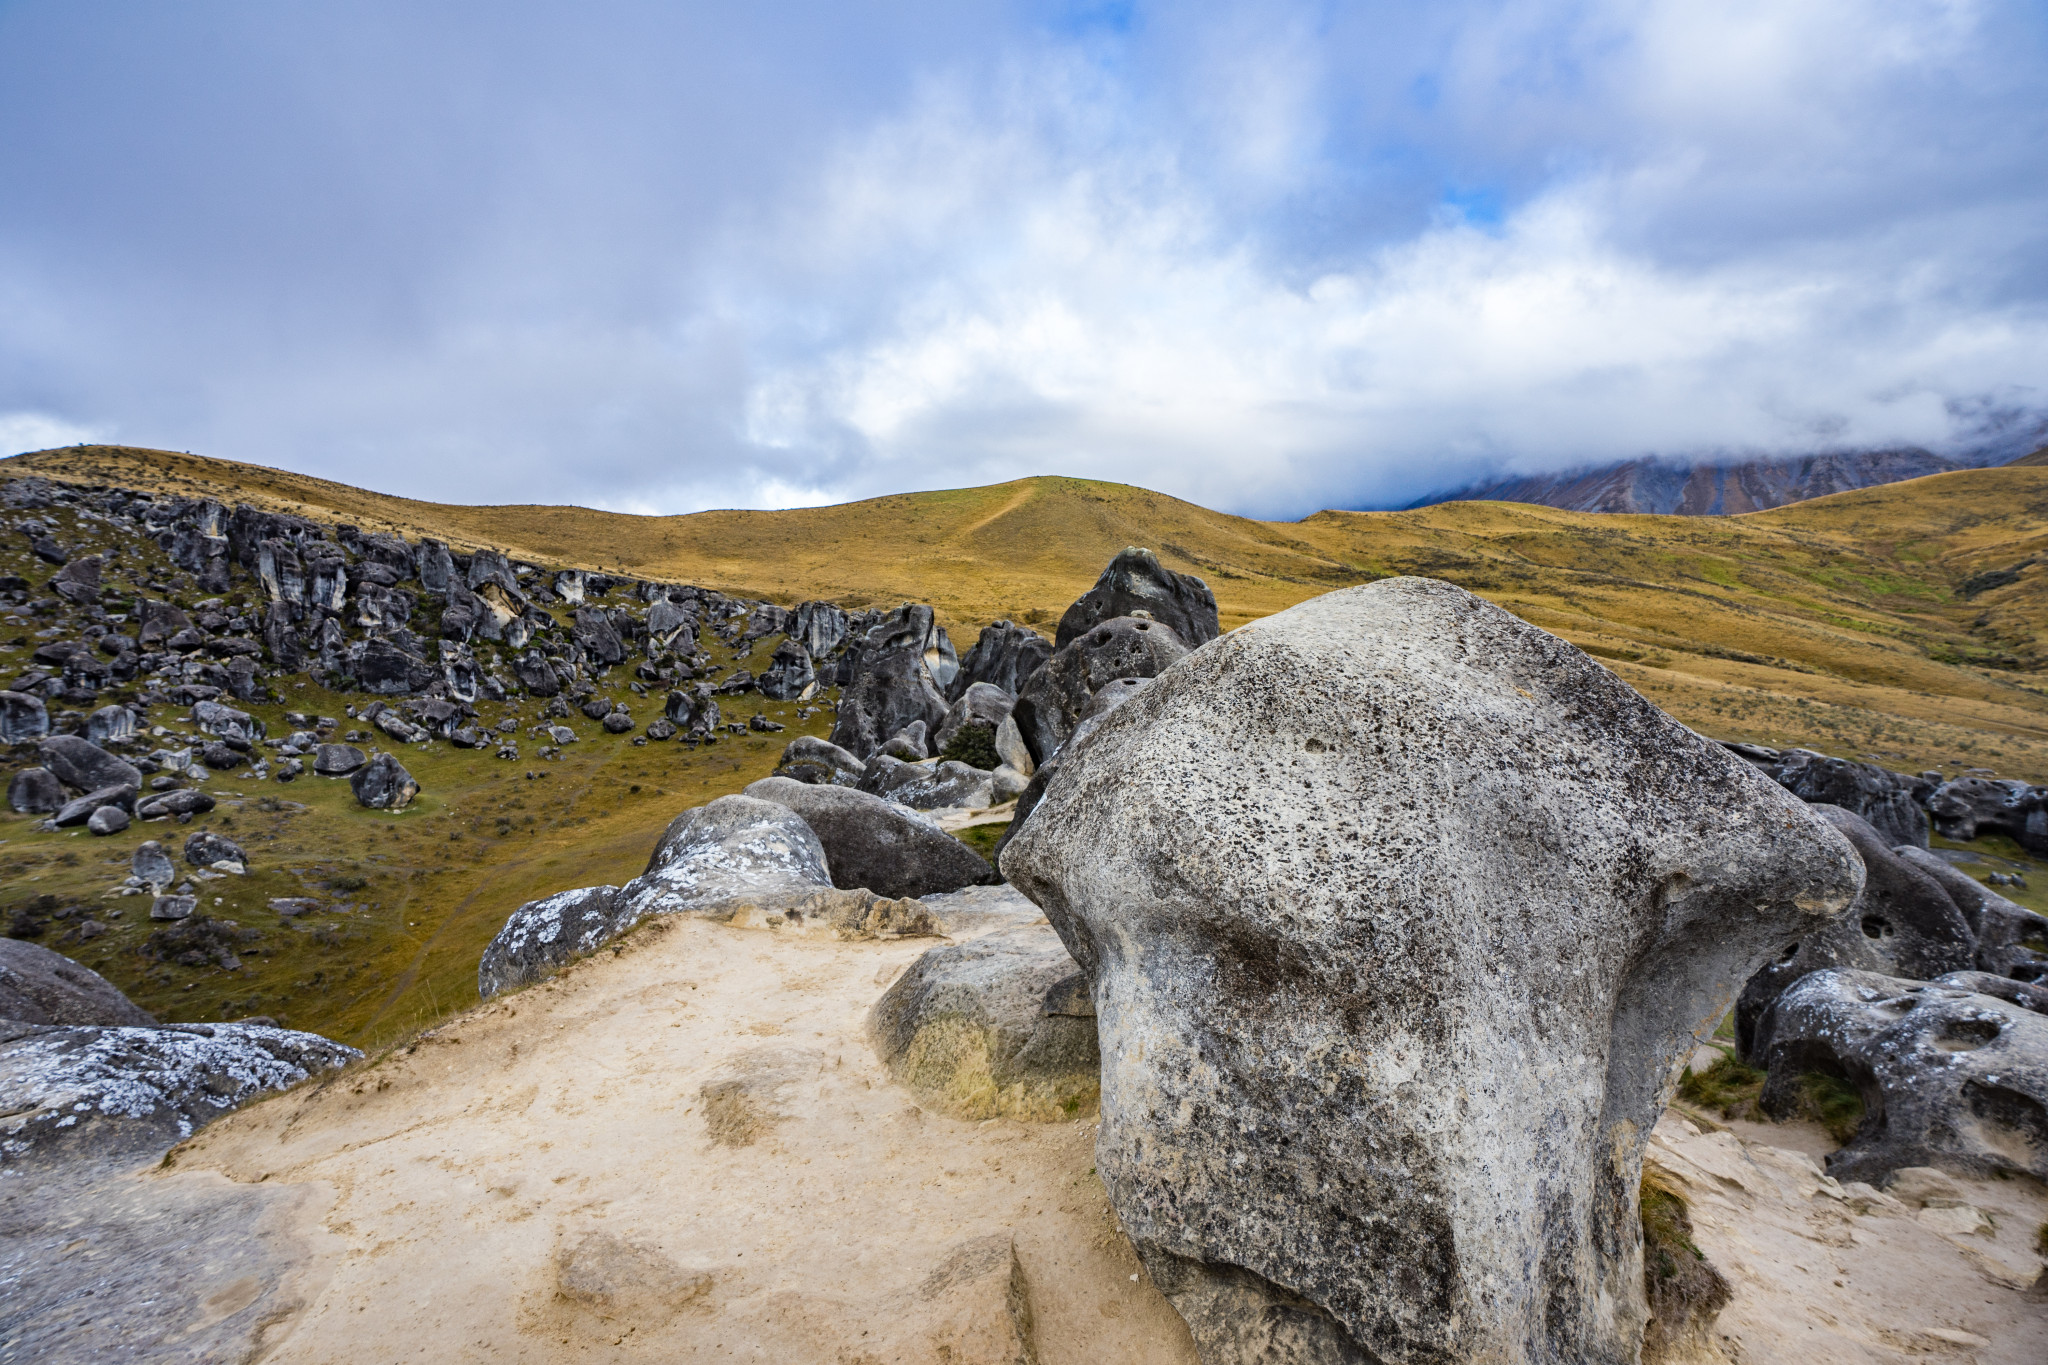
(1400, 915)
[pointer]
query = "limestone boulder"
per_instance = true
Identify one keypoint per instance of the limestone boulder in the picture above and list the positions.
(874, 844)
(2003, 929)
(337, 760)
(103, 1092)
(23, 718)
(892, 683)
(1401, 918)
(1136, 582)
(1054, 699)
(790, 675)
(1967, 807)
(1890, 801)
(383, 784)
(35, 791)
(38, 986)
(86, 767)
(982, 706)
(930, 785)
(544, 934)
(1950, 1078)
(1000, 1026)
(807, 759)
(1902, 924)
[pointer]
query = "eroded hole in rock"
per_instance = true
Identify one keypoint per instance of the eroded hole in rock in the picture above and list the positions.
(1967, 1035)
(1876, 927)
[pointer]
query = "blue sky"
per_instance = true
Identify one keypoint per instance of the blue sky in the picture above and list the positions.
(1270, 257)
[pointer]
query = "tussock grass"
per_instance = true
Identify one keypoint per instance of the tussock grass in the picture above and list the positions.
(1684, 1289)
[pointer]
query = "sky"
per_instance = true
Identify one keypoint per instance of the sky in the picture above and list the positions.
(1269, 257)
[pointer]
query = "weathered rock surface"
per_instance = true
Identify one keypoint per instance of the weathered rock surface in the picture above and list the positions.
(819, 761)
(38, 986)
(1136, 581)
(544, 934)
(999, 1026)
(208, 849)
(383, 784)
(1004, 656)
(1401, 917)
(152, 866)
(23, 718)
(1949, 1078)
(982, 705)
(867, 842)
(1053, 699)
(1903, 924)
(110, 1092)
(35, 791)
(891, 686)
(790, 675)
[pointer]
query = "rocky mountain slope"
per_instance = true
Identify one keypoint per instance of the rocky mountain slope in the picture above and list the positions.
(1712, 490)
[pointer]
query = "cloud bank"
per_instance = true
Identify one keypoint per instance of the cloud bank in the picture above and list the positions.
(1267, 257)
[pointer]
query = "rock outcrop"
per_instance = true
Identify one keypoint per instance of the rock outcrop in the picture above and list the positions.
(1949, 1078)
(114, 1092)
(1890, 801)
(999, 1026)
(892, 685)
(1055, 699)
(868, 842)
(1004, 656)
(544, 934)
(1401, 917)
(1136, 582)
(820, 761)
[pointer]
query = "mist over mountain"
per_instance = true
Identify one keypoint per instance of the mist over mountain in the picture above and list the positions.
(1715, 488)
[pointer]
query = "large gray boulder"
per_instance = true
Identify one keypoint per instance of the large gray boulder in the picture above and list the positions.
(999, 1026)
(2002, 928)
(892, 683)
(819, 627)
(717, 859)
(1134, 582)
(1055, 698)
(1401, 918)
(86, 767)
(35, 791)
(542, 935)
(38, 986)
(1949, 1078)
(790, 675)
(1968, 807)
(873, 844)
(383, 784)
(23, 718)
(107, 1092)
(1902, 924)
(1004, 656)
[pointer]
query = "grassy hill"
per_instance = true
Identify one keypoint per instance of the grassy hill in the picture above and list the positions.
(1903, 624)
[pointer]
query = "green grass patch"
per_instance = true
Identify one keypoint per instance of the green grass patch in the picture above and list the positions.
(982, 838)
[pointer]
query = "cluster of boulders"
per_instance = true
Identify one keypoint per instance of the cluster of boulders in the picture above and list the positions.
(1902, 807)
(925, 731)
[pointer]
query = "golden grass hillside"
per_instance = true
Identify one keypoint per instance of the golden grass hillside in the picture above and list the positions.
(1904, 623)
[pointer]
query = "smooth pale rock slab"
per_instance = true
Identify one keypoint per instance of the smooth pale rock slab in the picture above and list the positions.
(1401, 917)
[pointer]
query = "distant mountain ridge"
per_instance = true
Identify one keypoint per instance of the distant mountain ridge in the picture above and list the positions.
(1707, 489)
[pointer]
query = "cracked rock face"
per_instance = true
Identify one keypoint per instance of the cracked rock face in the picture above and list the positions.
(1949, 1077)
(1401, 917)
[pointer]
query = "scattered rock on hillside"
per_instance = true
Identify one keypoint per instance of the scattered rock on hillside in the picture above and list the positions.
(1322, 875)
(546, 933)
(791, 676)
(338, 760)
(1968, 807)
(384, 784)
(1053, 700)
(81, 810)
(1135, 582)
(152, 867)
(819, 761)
(175, 804)
(207, 849)
(71, 1091)
(999, 1026)
(1949, 1078)
(720, 858)
(867, 842)
(35, 791)
(225, 722)
(107, 820)
(38, 986)
(23, 718)
(86, 767)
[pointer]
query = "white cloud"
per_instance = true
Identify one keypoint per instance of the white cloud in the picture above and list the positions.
(25, 431)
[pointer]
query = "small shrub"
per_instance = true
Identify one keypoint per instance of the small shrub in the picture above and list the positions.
(1833, 1103)
(974, 745)
(1728, 1087)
